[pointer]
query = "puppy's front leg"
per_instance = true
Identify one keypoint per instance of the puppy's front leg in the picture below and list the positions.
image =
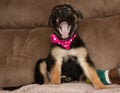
(91, 74)
(88, 68)
(55, 73)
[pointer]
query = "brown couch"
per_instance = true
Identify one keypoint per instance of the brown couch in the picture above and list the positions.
(24, 38)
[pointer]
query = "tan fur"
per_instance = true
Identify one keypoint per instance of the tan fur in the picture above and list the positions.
(59, 53)
(43, 69)
(55, 73)
(92, 76)
(81, 54)
(76, 18)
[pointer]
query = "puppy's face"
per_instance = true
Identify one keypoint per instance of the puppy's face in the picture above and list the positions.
(64, 19)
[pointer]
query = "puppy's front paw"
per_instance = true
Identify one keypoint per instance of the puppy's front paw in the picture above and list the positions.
(56, 80)
(99, 85)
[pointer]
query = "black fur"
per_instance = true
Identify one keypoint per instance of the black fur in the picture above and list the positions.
(38, 76)
(71, 69)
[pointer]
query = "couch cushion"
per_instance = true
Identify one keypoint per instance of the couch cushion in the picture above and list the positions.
(19, 51)
(33, 13)
(102, 38)
(96, 8)
(25, 13)
(21, 48)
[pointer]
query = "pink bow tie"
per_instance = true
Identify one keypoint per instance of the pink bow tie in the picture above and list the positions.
(64, 43)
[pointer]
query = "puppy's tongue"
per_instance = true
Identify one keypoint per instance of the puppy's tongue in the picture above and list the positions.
(64, 29)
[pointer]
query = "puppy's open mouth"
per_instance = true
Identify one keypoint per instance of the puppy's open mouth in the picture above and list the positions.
(64, 29)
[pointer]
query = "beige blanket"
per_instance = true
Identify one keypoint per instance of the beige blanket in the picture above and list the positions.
(64, 88)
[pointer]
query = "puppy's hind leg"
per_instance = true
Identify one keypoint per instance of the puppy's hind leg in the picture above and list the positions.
(41, 73)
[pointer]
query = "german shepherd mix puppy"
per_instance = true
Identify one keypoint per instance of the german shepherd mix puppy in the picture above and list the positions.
(68, 58)
(68, 55)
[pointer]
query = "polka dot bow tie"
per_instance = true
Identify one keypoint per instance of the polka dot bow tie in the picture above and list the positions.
(64, 43)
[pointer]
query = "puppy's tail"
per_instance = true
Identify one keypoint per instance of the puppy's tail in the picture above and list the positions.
(11, 88)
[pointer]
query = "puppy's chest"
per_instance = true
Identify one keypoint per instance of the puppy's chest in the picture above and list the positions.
(61, 54)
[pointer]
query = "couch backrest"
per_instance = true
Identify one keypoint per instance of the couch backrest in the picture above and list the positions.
(102, 38)
(33, 13)
(25, 13)
(97, 8)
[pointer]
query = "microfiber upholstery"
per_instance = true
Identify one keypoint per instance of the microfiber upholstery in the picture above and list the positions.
(102, 38)
(19, 51)
(26, 13)
(33, 13)
(96, 8)
(24, 35)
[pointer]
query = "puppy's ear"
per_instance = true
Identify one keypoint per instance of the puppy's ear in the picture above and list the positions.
(78, 13)
(50, 23)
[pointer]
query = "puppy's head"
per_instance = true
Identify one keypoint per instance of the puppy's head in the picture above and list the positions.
(64, 19)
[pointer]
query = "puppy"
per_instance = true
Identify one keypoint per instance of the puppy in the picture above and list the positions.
(68, 57)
